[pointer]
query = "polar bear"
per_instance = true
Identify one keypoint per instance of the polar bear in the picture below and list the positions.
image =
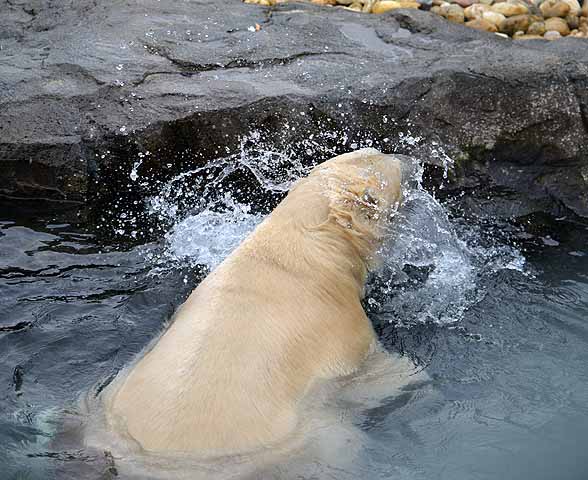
(279, 316)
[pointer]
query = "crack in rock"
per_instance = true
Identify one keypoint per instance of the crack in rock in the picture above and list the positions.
(188, 68)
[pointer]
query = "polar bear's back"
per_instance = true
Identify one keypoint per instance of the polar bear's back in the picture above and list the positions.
(281, 314)
(239, 355)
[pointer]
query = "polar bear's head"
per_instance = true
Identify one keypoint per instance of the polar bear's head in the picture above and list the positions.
(364, 190)
(346, 203)
(365, 183)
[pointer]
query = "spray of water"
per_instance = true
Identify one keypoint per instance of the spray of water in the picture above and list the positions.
(431, 269)
(217, 222)
(430, 264)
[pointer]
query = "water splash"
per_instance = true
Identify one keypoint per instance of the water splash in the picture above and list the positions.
(428, 271)
(209, 236)
(203, 188)
(431, 265)
(205, 220)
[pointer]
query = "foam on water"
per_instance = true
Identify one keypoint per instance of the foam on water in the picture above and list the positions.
(431, 265)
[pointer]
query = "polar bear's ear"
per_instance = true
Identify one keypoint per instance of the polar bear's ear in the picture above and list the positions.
(368, 203)
(368, 199)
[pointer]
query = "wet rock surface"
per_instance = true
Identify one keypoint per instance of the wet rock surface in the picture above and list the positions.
(88, 89)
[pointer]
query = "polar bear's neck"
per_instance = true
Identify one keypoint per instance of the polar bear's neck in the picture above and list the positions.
(329, 251)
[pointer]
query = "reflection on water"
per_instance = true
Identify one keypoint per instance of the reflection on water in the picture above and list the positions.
(503, 334)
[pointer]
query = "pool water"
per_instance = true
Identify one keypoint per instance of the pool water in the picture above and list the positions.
(496, 312)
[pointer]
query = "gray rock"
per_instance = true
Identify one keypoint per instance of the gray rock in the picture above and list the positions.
(85, 86)
(425, 4)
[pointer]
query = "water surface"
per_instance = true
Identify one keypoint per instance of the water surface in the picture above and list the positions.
(496, 312)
